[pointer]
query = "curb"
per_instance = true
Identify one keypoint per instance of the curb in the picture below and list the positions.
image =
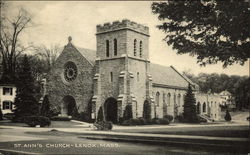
(232, 146)
(14, 152)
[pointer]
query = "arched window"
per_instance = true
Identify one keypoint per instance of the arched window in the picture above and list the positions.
(157, 99)
(174, 99)
(169, 99)
(164, 97)
(115, 47)
(107, 48)
(179, 100)
(198, 108)
(111, 77)
(204, 107)
(140, 49)
(138, 76)
(135, 42)
(164, 107)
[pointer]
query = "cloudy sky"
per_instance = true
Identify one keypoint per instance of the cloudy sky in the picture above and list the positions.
(55, 21)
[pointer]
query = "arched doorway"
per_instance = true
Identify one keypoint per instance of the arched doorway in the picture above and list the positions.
(111, 110)
(69, 106)
(204, 107)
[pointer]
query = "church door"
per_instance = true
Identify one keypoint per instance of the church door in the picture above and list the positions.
(111, 110)
(69, 106)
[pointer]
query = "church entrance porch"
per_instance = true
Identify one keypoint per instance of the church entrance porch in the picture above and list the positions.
(111, 110)
(68, 106)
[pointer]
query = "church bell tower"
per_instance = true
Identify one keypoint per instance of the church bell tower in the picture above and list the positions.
(121, 71)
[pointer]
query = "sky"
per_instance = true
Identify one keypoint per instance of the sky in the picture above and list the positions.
(54, 21)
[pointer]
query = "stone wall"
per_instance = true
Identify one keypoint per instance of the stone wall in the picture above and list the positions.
(138, 84)
(164, 99)
(212, 103)
(126, 87)
(81, 89)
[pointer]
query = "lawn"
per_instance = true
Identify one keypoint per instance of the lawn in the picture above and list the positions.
(54, 124)
(214, 131)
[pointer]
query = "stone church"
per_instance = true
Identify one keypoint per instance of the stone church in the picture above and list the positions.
(118, 74)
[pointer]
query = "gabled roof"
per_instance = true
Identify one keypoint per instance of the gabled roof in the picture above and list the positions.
(89, 54)
(167, 76)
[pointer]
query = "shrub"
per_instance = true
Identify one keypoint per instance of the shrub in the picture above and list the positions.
(127, 112)
(146, 110)
(83, 116)
(1, 114)
(202, 120)
(37, 120)
(163, 121)
(179, 118)
(155, 121)
(19, 119)
(9, 116)
(102, 125)
(126, 123)
(100, 115)
(121, 120)
(134, 121)
(189, 107)
(45, 108)
(227, 116)
(142, 121)
(248, 118)
(54, 111)
(60, 118)
(169, 117)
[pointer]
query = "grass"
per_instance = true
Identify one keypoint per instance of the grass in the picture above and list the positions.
(214, 131)
(54, 124)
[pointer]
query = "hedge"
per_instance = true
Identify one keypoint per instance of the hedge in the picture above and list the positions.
(37, 120)
(60, 118)
(143, 121)
(169, 117)
(102, 125)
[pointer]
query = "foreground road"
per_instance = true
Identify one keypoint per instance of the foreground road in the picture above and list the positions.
(23, 142)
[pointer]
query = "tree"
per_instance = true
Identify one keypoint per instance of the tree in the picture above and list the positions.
(45, 108)
(213, 30)
(146, 110)
(100, 116)
(10, 45)
(48, 55)
(128, 112)
(1, 114)
(189, 112)
(25, 101)
(227, 116)
(242, 93)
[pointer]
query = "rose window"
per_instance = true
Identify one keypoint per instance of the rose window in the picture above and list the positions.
(70, 71)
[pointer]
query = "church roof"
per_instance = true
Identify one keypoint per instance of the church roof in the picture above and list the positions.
(162, 75)
(89, 54)
(167, 76)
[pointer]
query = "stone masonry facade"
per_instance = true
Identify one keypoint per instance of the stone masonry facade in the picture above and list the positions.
(120, 75)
